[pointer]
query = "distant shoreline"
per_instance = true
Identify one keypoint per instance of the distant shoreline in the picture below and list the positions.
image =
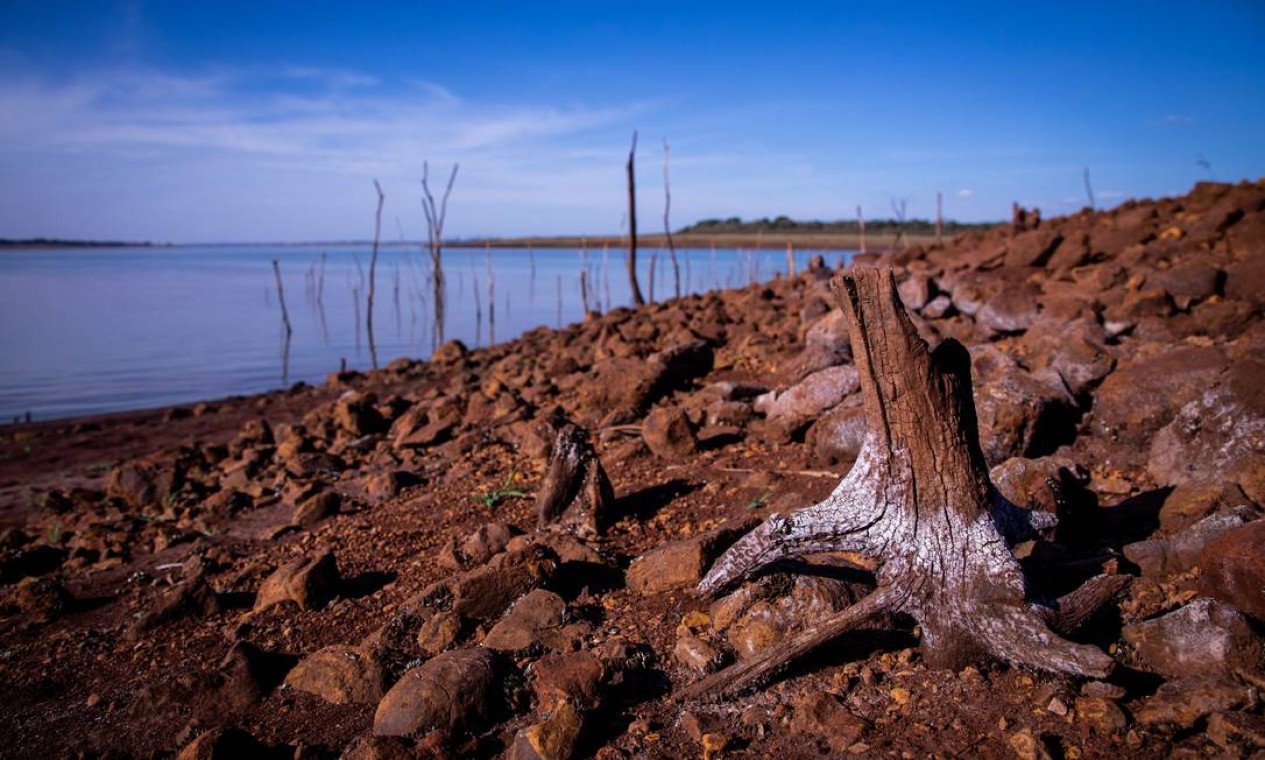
(696, 240)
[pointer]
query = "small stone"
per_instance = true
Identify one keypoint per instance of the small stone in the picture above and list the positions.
(307, 583)
(696, 654)
(1237, 732)
(1028, 746)
(901, 696)
(576, 676)
(41, 599)
(1058, 707)
(1101, 715)
(554, 738)
(315, 509)
(677, 564)
(533, 622)
(714, 744)
(1187, 700)
(668, 434)
(1103, 690)
(222, 743)
(439, 631)
(824, 717)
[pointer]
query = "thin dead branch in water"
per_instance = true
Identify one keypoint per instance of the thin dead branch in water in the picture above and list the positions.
(667, 227)
(638, 300)
(373, 270)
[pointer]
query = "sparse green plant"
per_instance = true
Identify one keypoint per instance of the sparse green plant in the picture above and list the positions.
(55, 534)
(760, 500)
(492, 499)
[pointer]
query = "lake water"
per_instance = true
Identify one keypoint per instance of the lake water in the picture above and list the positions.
(84, 331)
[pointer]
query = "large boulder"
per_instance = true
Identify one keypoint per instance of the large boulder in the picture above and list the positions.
(793, 409)
(1144, 395)
(1020, 414)
(1217, 436)
(1234, 568)
(1204, 638)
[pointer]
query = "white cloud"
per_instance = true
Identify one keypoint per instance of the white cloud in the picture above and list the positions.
(965, 193)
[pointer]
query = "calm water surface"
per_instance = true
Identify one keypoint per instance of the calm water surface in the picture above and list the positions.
(88, 331)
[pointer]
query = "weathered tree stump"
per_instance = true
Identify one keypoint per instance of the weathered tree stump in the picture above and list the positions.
(576, 494)
(919, 501)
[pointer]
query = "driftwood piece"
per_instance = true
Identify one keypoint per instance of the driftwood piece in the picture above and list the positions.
(576, 494)
(920, 503)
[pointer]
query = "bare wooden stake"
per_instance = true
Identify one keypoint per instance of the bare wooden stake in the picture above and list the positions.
(939, 218)
(436, 215)
(281, 297)
(790, 259)
(919, 502)
(373, 270)
(632, 225)
(861, 224)
(487, 253)
(667, 227)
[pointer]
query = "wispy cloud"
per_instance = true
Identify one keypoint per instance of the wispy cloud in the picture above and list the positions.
(341, 125)
(1172, 120)
(965, 193)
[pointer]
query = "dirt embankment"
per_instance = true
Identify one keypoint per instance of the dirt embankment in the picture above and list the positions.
(356, 568)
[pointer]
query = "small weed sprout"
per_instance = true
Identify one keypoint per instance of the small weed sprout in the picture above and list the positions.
(55, 534)
(492, 499)
(760, 500)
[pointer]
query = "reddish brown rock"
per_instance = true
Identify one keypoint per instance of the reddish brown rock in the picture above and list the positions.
(309, 583)
(1032, 249)
(316, 508)
(1013, 310)
(341, 675)
(1020, 414)
(1140, 397)
(555, 737)
(1218, 435)
(1184, 702)
(534, 622)
(822, 717)
(1202, 639)
(1234, 568)
(454, 691)
(802, 403)
(141, 483)
(668, 434)
(838, 435)
(1190, 502)
(576, 676)
(679, 564)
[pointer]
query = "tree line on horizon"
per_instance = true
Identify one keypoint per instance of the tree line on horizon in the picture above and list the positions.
(842, 226)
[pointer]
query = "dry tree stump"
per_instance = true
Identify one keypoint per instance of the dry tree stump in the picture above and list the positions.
(919, 502)
(575, 494)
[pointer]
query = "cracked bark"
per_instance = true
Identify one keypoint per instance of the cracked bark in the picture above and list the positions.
(918, 501)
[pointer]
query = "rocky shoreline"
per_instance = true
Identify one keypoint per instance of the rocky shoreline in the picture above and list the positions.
(362, 568)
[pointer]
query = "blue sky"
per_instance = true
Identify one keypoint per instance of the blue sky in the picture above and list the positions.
(223, 121)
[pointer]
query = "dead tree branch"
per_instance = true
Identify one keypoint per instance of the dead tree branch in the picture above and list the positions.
(373, 269)
(632, 225)
(667, 227)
